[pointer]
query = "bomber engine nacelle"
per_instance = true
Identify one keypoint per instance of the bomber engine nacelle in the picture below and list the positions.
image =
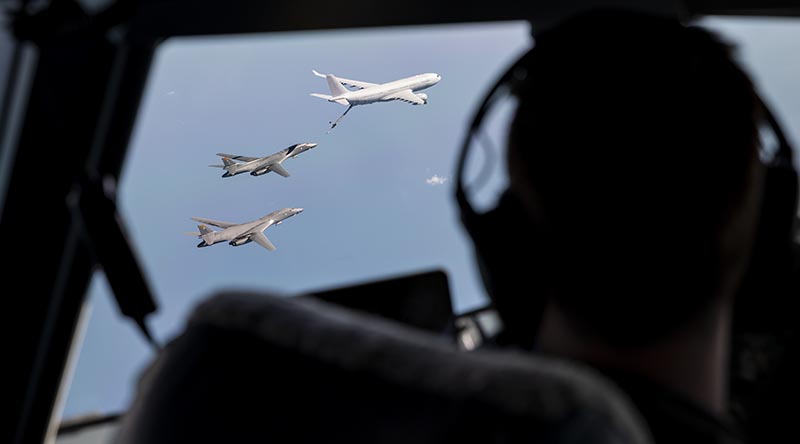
(259, 172)
(423, 96)
(239, 241)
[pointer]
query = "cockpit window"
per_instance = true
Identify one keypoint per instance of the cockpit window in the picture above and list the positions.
(765, 48)
(376, 191)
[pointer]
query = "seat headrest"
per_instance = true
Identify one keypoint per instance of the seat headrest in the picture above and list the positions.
(252, 367)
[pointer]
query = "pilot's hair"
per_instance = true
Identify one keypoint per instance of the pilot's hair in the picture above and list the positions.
(635, 148)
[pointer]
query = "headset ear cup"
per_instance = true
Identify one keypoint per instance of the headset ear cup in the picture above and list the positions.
(512, 267)
(765, 297)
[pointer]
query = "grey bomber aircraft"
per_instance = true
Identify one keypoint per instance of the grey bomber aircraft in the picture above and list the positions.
(240, 234)
(257, 166)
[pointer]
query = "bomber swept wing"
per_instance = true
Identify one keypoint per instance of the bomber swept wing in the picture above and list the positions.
(216, 223)
(257, 234)
(262, 240)
(278, 168)
(235, 157)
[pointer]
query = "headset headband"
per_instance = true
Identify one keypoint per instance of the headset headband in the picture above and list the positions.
(783, 158)
(486, 104)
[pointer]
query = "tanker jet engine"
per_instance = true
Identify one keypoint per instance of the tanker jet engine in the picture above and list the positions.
(257, 166)
(240, 234)
(366, 93)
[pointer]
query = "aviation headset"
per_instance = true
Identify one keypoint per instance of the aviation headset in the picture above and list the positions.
(763, 294)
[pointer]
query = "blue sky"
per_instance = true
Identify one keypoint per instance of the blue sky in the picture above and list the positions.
(370, 209)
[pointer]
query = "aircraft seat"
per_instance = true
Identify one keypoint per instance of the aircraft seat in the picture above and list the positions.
(251, 367)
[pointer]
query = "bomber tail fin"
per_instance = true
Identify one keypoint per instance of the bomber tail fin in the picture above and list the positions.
(226, 162)
(204, 230)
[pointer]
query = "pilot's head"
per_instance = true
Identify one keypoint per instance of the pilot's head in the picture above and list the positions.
(633, 161)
